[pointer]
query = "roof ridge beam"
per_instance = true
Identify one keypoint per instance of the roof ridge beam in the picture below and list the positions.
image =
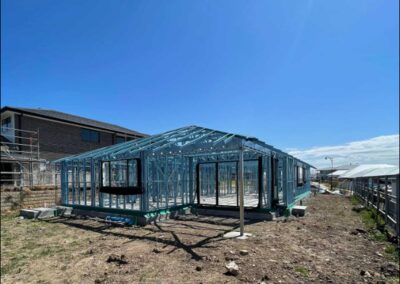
(160, 137)
(126, 147)
(222, 138)
(180, 139)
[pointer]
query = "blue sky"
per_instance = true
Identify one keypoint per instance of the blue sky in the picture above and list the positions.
(296, 74)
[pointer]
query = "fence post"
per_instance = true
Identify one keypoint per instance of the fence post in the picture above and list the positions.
(364, 195)
(386, 200)
(377, 196)
(397, 205)
(370, 191)
(357, 188)
(354, 186)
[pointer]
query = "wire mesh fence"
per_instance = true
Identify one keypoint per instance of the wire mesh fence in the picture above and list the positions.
(382, 194)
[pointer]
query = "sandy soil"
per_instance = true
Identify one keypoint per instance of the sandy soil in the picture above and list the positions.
(321, 247)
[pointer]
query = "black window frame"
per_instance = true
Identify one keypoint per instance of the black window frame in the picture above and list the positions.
(122, 190)
(87, 135)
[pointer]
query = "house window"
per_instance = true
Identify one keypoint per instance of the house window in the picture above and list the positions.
(121, 177)
(88, 135)
(6, 123)
(300, 176)
(119, 139)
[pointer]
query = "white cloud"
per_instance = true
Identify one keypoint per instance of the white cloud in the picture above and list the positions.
(377, 150)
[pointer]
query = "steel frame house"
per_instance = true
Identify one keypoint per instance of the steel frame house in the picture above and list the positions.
(189, 166)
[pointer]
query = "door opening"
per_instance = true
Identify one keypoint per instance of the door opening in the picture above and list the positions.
(217, 183)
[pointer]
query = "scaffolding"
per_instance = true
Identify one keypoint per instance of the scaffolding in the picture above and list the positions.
(189, 166)
(21, 165)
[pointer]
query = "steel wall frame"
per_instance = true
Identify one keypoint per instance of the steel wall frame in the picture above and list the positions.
(169, 163)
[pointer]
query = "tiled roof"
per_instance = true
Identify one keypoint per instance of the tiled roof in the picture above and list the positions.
(61, 116)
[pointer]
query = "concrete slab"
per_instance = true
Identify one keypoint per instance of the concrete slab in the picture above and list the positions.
(46, 212)
(36, 213)
(29, 213)
(64, 211)
(299, 210)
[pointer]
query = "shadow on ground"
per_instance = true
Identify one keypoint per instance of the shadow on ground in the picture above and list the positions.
(217, 227)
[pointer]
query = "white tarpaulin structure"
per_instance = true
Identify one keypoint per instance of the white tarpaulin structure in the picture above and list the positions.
(374, 170)
(338, 173)
(378, 186)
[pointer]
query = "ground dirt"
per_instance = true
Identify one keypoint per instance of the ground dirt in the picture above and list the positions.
(322, 247)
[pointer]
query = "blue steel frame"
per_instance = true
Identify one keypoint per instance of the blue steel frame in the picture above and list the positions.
(168, 173)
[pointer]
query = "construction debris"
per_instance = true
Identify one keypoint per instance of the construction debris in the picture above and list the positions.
(299, 210)
(156, 250)
(118, 259)
(232, 268)
(37, 213)
(390, 269)
(358, 208)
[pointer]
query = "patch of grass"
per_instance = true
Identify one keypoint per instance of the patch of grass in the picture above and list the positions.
(354, 200)
(378, 236)
(375, 224)
(372, 219)
(392, 252)
(390, 249)
(302, 270)
(42, 281)
(6, 239)
(52, 250)
(393, 280)
(13, 264)
(148, 276)
(7, 268)
(9, 215)
(46, 251)
(23, 240)
(29, 246)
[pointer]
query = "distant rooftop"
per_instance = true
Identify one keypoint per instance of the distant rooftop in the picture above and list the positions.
(371, 170)
(65, 117)
(337, 173)
(342, 167)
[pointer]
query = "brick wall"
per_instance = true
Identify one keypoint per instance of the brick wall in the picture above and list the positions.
(14, 200)
(58, 140)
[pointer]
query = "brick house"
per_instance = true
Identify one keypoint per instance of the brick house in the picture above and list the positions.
(33, 137)
(62, 134)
